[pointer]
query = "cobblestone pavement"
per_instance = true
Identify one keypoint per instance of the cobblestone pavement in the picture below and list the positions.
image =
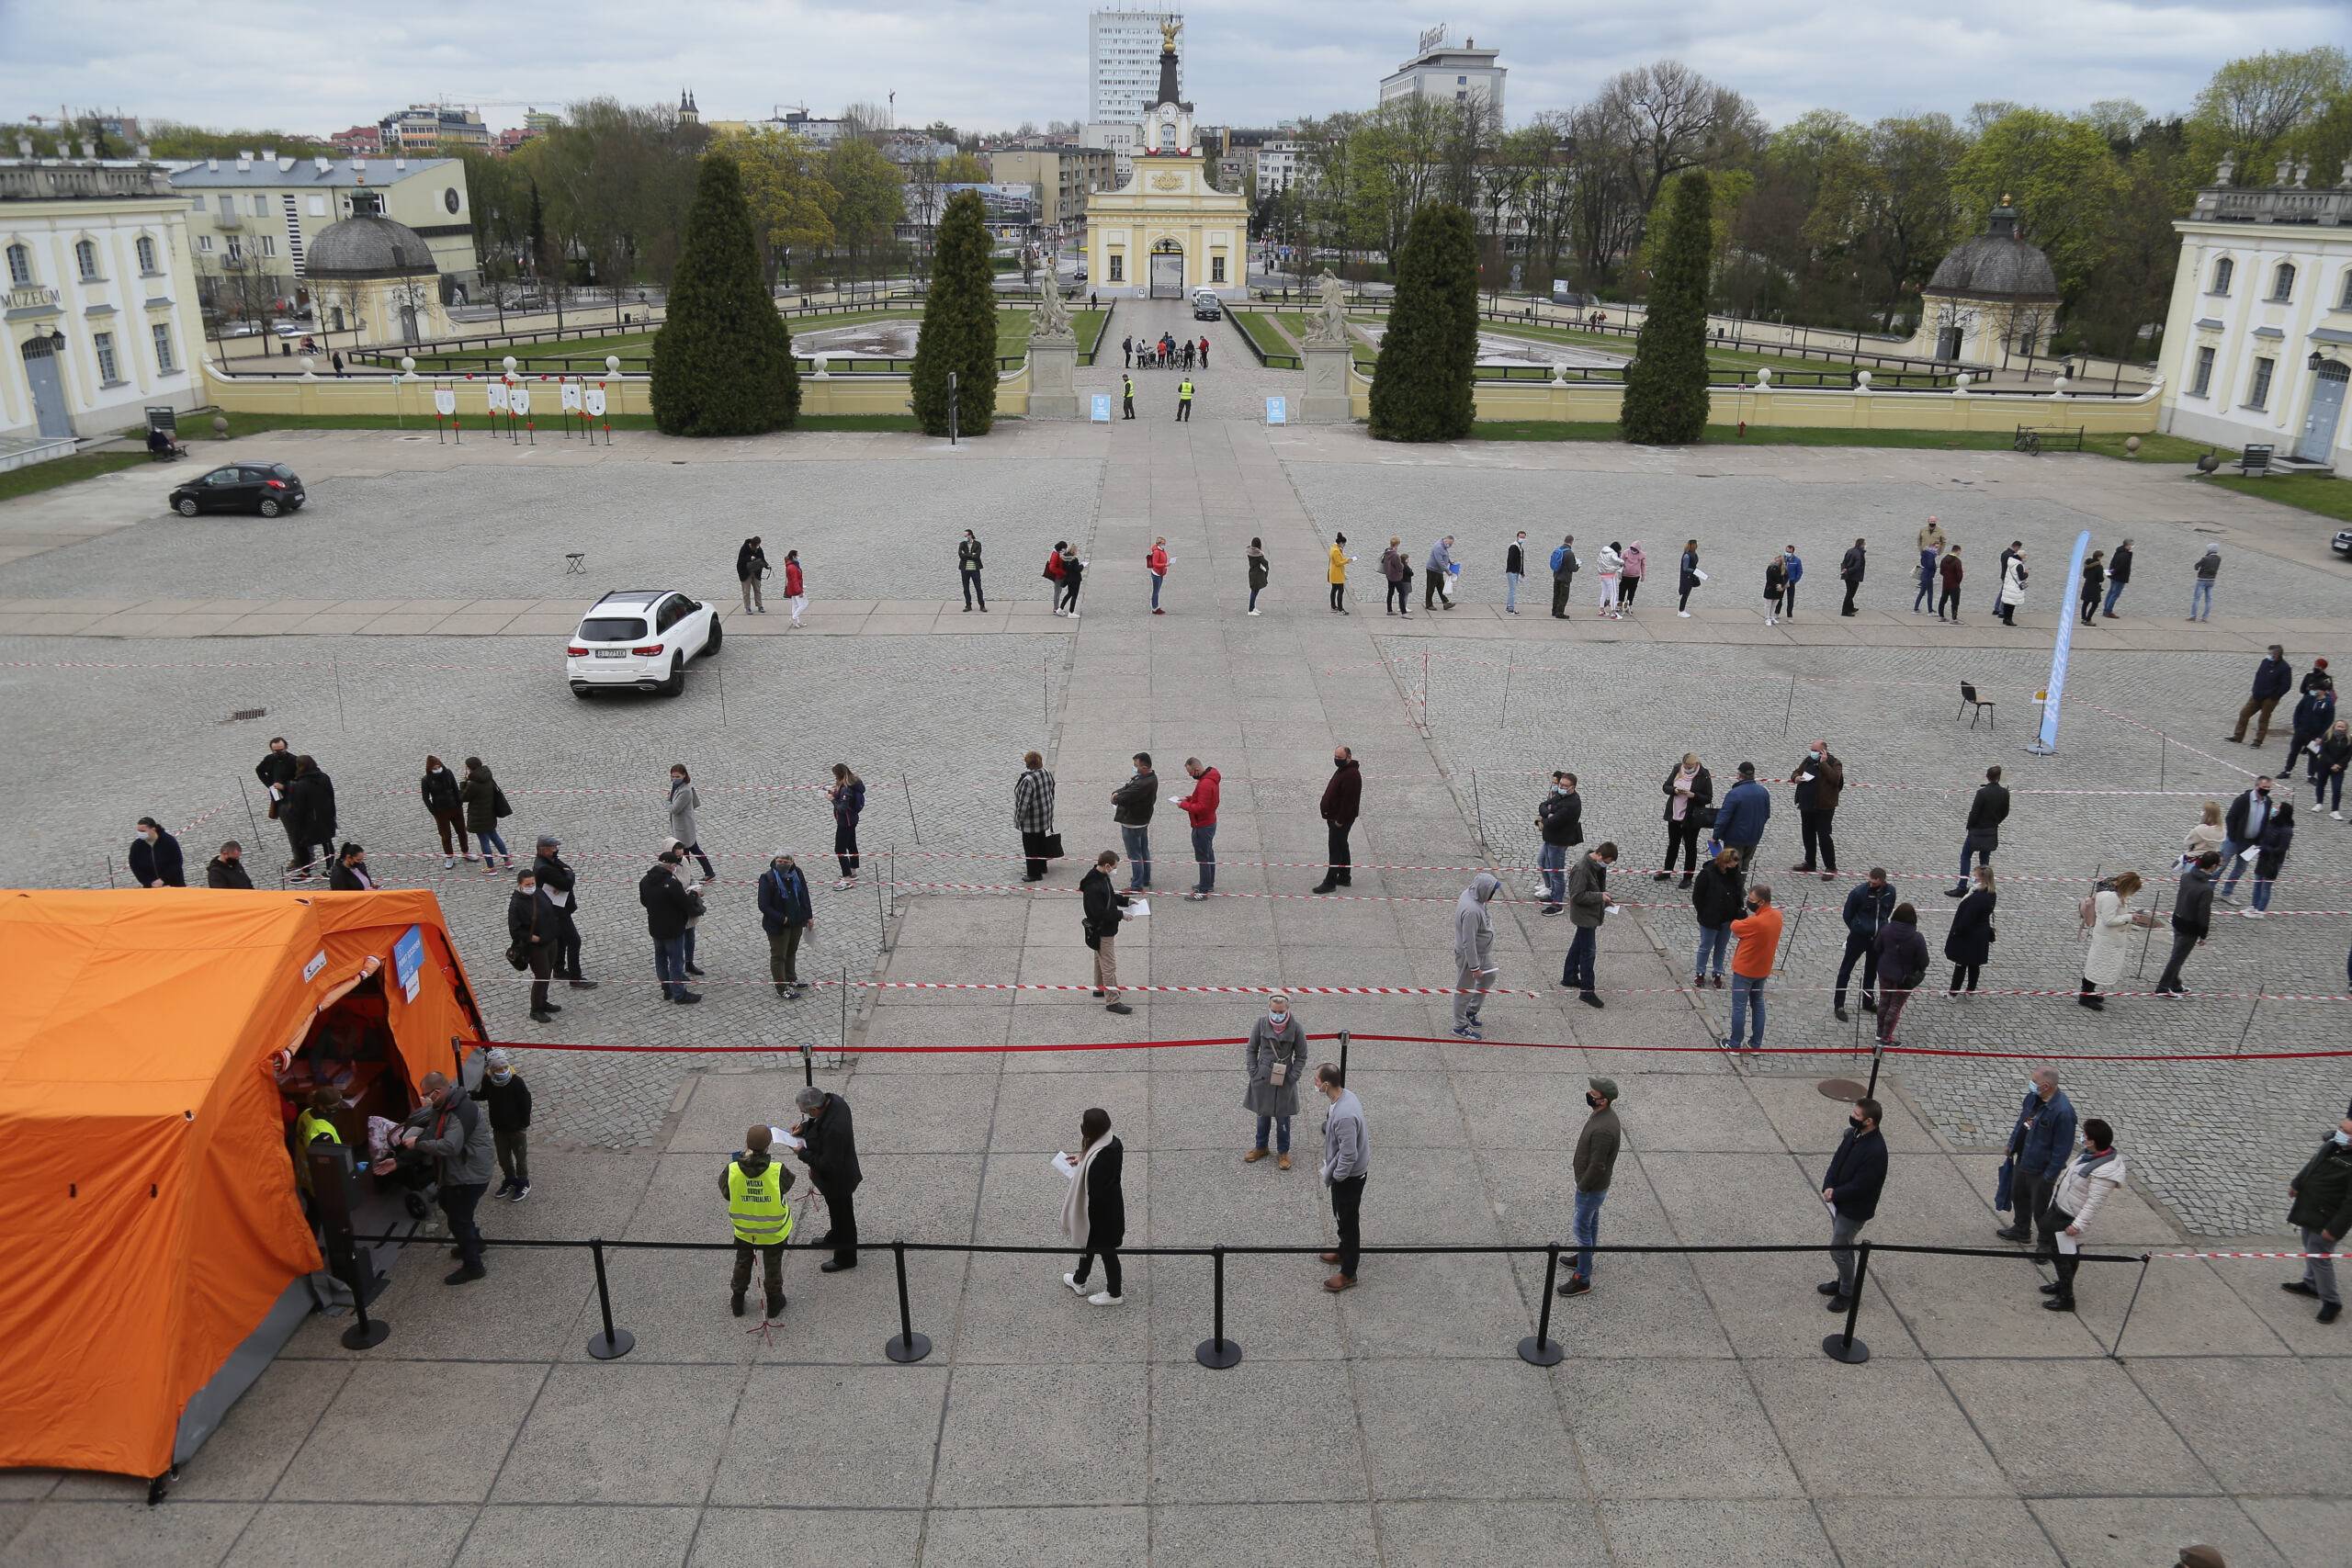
(1407, 1433)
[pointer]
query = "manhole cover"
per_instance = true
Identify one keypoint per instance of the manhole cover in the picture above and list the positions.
(1839, 1088)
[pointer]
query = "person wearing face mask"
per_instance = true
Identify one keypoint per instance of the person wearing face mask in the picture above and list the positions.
(2329, 756)
(1102, 907)
(1594, 1162)
(1131, 806)
(1851, 1187)
(1514, 572)
(1347, 1161)
(1757, 933)
(1629, 583)
(1275, 1058)
(786, 916)
(227, 869)
(1474, 952)
(155, 857)
(2038, 1141)
(1587, 907)
(1821, 780)
(755, 1184)
(438, 788)
(509, 1100)
(537, 947)
(1689, 790)
(1868, 905)
(451, 1130)
(1560, 820)
(351, 873)
(1343, 800)
(2083, 1184)
(1793, 568)
(2243, 825)
(2273, 679)
(684, 802)
(2322, 1213)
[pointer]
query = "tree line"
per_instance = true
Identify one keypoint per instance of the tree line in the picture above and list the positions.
(1825, 220)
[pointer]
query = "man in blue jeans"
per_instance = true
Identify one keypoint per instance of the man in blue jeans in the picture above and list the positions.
(1201, 807)
(1131, 806)
(1595, 1158)
(1561, 820)
(669, 905)
(2249, 815)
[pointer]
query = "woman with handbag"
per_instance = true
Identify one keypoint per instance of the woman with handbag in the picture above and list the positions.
(485, 802)
(1095, 1211)
(525, 948)
(1032, 817)
(1275, 1058)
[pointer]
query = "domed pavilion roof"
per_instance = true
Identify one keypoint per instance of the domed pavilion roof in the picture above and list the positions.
(1996, 264)
(368, 245)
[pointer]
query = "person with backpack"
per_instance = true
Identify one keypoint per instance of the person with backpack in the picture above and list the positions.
(485, 802)
(1564, 576)
(1902, 964)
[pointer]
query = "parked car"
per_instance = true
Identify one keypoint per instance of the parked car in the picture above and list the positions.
(1207, 306)
(267, 488)
(239, 329)
(640, 638)
(2343, 542)
(1080, 276)
(288, 329)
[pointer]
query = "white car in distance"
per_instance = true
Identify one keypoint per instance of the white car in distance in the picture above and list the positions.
(639, 638)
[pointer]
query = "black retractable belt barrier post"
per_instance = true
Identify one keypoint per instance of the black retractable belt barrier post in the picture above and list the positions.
(1343, 1055)
(1540, 1349)
(1218, 1352)
(905, 1344)
(1844, 1347)
(808, 1066)
(614, 1343)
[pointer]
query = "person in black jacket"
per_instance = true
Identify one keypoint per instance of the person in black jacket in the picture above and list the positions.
(1690, 790)
(1717, 898)
(1101, 1204)
(830, 1155)
(1969, 943)
(155, 857)
(2118, 574)
(1856, 1177)
(438, 789)
(307, 810)
(351, 873)
(275, 771)
(1342, 801)
(1986, 812)
(509, 1100)
(1131, 806)
(1902, 964)
(1867, 908)
(1099, 922)
(968, 567)
(561, 908)
(2094, 584)
(1820, 778)
(751, 565)
(2192, 918)
(668, 905)
(1561, 819)
(530, 930)
(227, 869)
(1850, 569)
(2273, 679)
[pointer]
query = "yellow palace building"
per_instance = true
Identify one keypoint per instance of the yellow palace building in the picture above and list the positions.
(1168, 231)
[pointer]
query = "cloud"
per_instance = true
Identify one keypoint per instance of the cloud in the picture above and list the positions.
(987, 64)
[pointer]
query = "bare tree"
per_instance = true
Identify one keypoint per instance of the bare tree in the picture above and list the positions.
(1677, 119)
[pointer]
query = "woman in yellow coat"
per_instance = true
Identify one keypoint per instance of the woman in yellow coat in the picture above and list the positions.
(1339, 560)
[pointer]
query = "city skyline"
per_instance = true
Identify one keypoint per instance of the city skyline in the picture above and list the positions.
(989, 68)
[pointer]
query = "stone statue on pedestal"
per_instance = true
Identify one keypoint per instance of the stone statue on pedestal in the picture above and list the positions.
(1330, 322)
(1050, 322)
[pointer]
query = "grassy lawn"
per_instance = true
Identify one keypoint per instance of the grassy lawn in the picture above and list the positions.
(2153, 449)
(2328, 497)
(1260, 331)
(59, 471)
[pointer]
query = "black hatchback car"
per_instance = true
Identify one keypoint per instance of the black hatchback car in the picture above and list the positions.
(267, 488)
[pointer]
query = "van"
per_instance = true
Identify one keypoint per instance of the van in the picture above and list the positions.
(1206, 304)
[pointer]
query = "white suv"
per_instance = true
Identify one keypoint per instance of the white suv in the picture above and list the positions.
(640, 638)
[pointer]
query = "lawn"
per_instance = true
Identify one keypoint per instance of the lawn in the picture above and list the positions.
(38, 476)
(1260, 331)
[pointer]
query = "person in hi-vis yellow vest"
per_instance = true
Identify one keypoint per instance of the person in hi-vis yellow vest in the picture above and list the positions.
(755, 1186)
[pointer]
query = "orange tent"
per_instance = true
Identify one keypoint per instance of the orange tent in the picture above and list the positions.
(145, 1189)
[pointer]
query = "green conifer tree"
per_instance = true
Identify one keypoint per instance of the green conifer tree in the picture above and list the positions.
(959, 324)
(1423, 382)
(722, 361)
(1666, 387)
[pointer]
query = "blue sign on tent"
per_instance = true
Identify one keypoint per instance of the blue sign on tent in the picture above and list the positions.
(1277, 410)
(408, 960)
(1102, 414)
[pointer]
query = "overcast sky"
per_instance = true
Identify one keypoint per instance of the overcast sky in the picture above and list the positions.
(986, 64)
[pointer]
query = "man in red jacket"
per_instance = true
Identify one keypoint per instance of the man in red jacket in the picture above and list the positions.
(1341, 798)
(1201, 806)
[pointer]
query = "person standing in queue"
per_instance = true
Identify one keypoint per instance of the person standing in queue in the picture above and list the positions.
(1342, 801)
(755, 1186)
(829, 1148)
(1274, 1059)
(1095, 1211)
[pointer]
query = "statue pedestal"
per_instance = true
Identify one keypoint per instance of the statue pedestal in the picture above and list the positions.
(1328, 366)
(1053, 378)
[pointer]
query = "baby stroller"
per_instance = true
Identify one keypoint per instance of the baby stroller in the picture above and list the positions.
(411, 1175)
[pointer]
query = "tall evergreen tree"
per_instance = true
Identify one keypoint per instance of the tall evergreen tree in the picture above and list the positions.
(959, 324)
(722, 362)
(1423, 382)
(1666, 387)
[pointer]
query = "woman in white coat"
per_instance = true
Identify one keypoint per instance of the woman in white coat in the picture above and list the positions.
(2012, 589)
(1611, 569)
(2111, 943)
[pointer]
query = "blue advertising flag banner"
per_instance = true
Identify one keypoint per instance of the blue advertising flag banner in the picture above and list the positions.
(2046, 742)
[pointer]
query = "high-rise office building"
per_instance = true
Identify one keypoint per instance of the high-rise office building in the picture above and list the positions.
(1123, 64)
(1447, 73)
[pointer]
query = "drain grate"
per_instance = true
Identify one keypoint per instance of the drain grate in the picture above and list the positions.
(243, 714)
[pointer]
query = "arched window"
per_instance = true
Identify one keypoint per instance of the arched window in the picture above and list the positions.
(20, 266)
(2222, 271)
(146, 254)
(2283, 282)
(86, 259)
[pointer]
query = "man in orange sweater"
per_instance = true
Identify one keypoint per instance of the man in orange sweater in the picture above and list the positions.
(1759, 935)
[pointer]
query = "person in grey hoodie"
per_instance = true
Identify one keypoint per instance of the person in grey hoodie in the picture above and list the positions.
(1347, 1160)
(451, 1129)
(1437, 574)
(684, 803)
(1474, 952)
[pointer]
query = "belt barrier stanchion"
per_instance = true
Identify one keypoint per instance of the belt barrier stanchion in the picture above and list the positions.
(1878, 1055)
(1844, 1347)
(1540, 1349)
(1218, 1352)
(365, 1333)
(905, 1344)
(808, 1064)
(1343, 1055)
(2115, 1352)
(614, 1343)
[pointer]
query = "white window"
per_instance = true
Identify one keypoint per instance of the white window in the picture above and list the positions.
(21, 265)
(268, 245)
(86, 260)
(2204, 381)
(261, 206)
(146, 248)
(104, 344)
(204, 244)
(2282, 283)
(2259, 395)
(318, 207)
(195, 203)
(163, 361)
(2222, 271)
(228, 206)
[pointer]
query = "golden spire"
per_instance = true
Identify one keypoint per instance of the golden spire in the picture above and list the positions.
(1168, 29)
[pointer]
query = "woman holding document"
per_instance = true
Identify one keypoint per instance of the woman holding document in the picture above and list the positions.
(1095, 1211)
